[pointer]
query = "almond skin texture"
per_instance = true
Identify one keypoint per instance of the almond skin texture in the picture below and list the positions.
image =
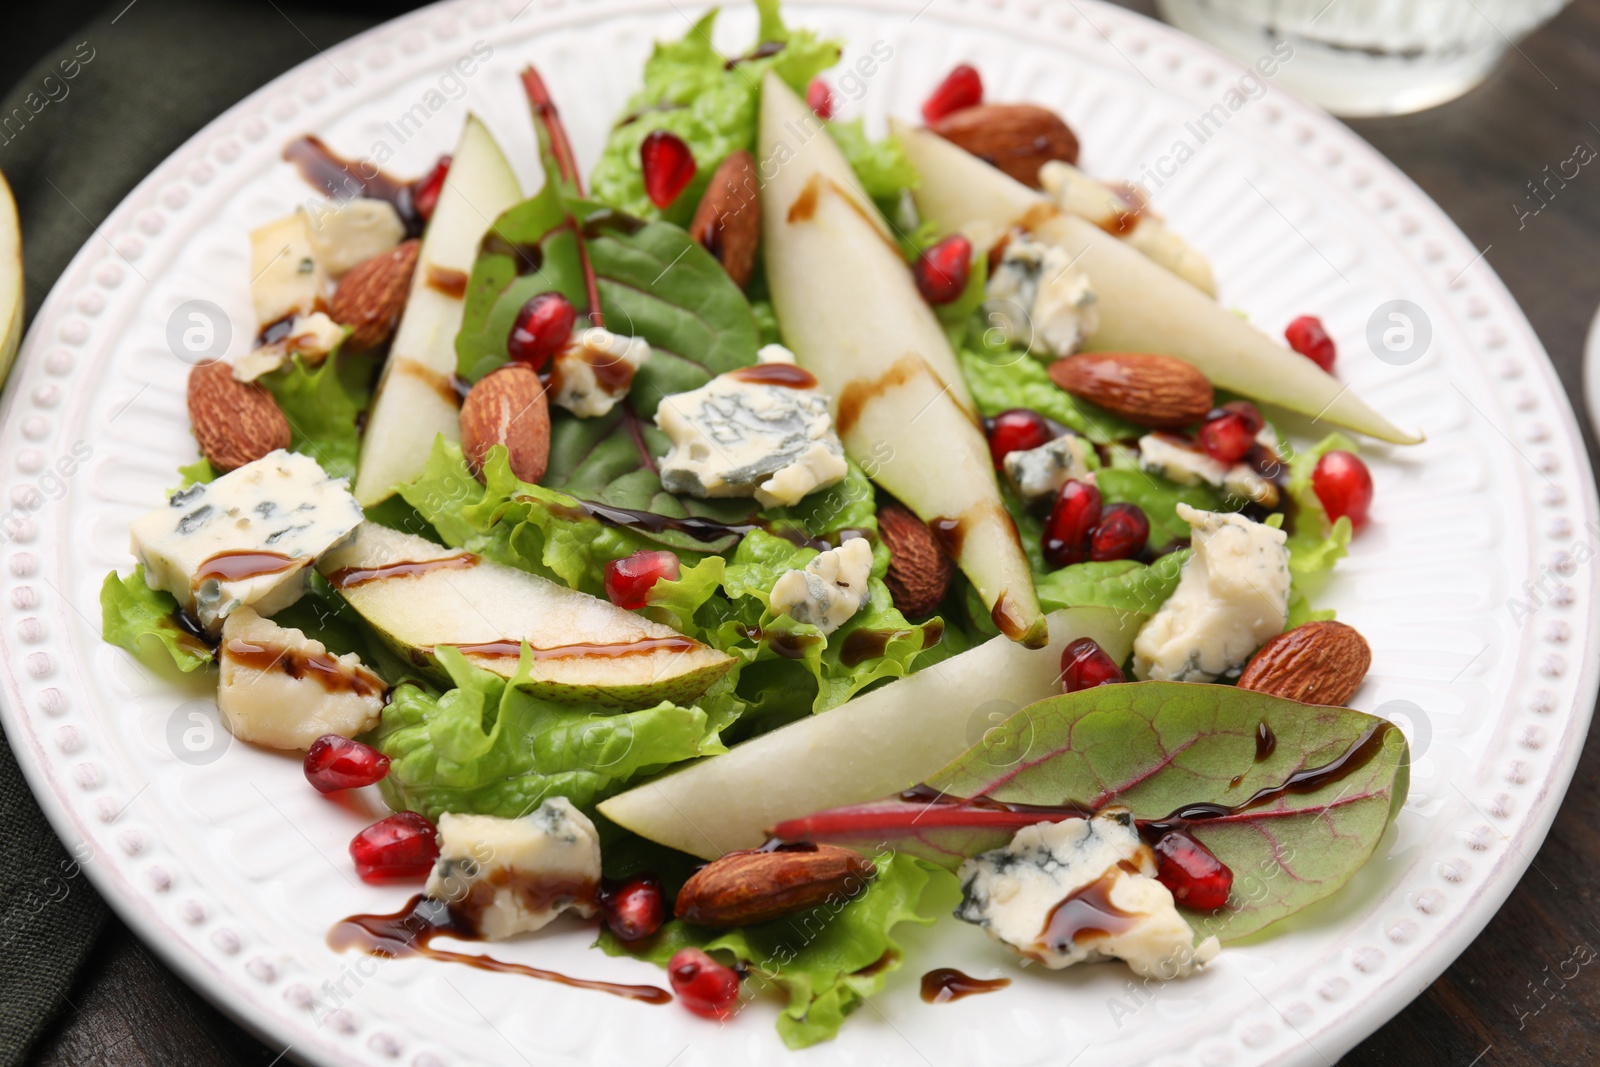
(756, 887)
(1318, 663)
(1160, 392)
(508, 407)
(372, 295)
(235, 422)
(1017, 138)
(919, 571)
(728, 220)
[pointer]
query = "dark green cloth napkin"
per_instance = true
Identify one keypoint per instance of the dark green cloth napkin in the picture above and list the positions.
(145, 78)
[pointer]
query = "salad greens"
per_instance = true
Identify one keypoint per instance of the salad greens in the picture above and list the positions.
(144, 621)
(485, 744)
(488, 746)
(827, 961)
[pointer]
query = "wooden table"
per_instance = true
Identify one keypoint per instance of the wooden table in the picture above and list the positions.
(1501, 1002)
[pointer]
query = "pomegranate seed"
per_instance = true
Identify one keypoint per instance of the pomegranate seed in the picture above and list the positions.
(542, 328)
(1344, 485)
(1307, 337)
(634, 909)
(668, 166)
(1084, 665)
(1075, 515)
(402, 846)
(962, 87)
(1121, 533)
(334, 763)
(1227, 437)
(1245, 410)
(705, 986)
(1192, 872)
(819, 98)
(941, 271)
(426, 189)
(629, 581)
(1017, 430)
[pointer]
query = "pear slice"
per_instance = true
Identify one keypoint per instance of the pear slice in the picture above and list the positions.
(875, 746)
(419, 595)
(852, 315)
(415, 401)
(10, 279)
(1143, 307)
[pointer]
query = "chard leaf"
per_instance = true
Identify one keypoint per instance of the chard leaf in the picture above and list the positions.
(654, 282)
(1160, 748)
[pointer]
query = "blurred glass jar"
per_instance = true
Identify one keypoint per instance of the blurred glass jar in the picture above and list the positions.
(1368, 57)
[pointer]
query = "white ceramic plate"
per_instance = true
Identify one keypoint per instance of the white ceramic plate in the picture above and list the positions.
(234, 870)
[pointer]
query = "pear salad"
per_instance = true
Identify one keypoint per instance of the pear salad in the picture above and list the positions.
(780, 536)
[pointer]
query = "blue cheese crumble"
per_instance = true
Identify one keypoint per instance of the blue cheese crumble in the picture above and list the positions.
(282, 510)
(1232, 596)
(510, 876)
(741, 436)
(1037, 299)
(1039, 473)
(1081, 890)
(831, 589)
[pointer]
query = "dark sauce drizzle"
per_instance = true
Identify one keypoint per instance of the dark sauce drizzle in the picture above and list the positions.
(944, 984)
(408, 932)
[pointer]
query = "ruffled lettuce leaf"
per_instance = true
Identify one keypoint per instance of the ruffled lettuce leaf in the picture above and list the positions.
(488, 746)
(1122, 585)
(882, 166)
(194, 473)
(694, 91)
(1314, 544)
(520, 524)
(1002, 377)
(145, 622)
(826, 961)
(322, 404)
(727, 604)
(1159, 499)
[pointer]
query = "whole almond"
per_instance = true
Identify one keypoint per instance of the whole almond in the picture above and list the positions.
(728, 220)
(1017, 138)
(371, 296)
(1160, 392)
(235, 422)
(755, 886)
(1317, 663)
(508, 407)
(919, 571)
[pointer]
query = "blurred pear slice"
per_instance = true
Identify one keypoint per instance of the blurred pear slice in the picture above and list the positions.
(1143, 307)
(10, 279)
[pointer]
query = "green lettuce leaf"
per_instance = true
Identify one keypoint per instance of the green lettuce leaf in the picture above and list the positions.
(521, 524)
(692, 90)
(726, 603)
(1122, 585)
(882, 166)
(826, 961)
(1001, 377)
(322, 405)
(144, 621)
(194, 473)
(1159, 499)
(488, 746)
(1314, 544)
